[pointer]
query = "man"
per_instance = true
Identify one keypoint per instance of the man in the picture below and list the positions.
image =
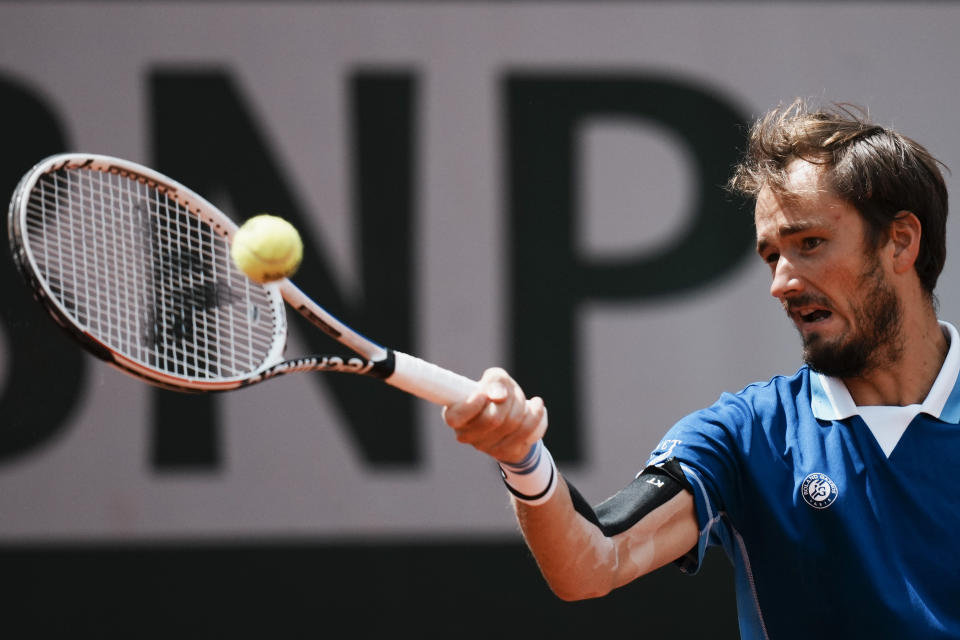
(831, 490)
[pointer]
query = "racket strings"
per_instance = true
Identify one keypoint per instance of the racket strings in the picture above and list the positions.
(143, 275)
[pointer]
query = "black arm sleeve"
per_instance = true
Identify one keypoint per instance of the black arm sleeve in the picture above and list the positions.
(652, 488)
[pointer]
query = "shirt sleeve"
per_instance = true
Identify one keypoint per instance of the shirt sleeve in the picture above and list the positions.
(709, 446)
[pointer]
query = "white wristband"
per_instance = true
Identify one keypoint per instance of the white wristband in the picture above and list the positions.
(533, 479)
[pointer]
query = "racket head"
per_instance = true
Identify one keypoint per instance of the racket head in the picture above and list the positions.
(136, 267)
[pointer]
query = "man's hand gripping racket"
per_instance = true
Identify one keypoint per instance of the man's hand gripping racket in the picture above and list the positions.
(136, 267)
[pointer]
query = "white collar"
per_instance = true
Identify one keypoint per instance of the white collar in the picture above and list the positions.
(831, 400)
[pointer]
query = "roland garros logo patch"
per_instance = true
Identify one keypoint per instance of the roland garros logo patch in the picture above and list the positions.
(818, 490)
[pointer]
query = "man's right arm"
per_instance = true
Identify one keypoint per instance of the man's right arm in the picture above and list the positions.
(579, 560)
(580, 552)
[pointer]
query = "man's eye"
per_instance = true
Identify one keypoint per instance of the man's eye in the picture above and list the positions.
(811, 243)
(771, 258)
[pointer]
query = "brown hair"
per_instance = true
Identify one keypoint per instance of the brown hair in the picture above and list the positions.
(876, 169)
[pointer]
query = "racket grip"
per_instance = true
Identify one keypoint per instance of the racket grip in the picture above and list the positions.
(428, 381)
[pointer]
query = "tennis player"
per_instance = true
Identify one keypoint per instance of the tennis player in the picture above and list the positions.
(831, 490)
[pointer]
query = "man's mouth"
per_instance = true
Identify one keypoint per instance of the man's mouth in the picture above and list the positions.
(816, 315)
(807, 312)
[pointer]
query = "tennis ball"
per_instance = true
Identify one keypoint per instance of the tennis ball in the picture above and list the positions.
(267, 248)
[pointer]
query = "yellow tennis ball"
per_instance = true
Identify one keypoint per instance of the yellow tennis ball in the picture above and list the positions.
(267, 248)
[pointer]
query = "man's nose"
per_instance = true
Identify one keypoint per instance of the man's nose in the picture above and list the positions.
(786, 279)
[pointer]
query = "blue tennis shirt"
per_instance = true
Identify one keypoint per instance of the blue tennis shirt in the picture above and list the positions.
(841, 521)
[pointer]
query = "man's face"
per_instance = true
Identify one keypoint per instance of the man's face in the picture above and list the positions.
(831, 283)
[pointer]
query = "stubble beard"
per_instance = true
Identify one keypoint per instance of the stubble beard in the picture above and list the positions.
(876, 340)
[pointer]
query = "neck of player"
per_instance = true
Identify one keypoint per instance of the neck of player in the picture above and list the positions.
(904, 373)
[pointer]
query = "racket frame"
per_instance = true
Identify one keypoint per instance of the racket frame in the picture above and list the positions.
(401, 370)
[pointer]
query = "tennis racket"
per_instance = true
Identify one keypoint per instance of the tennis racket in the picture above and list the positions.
(136, 267)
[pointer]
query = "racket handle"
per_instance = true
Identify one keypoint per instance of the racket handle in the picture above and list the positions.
(428, 381)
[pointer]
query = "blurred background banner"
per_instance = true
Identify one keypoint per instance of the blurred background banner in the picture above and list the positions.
(532, 185)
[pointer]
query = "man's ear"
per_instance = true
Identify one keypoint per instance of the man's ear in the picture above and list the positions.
(905, 232)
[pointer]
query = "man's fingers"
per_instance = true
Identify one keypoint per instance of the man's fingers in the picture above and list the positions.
(459, 414)
(539, 413)
(513, 440)
(494, 389)
(498, 419)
